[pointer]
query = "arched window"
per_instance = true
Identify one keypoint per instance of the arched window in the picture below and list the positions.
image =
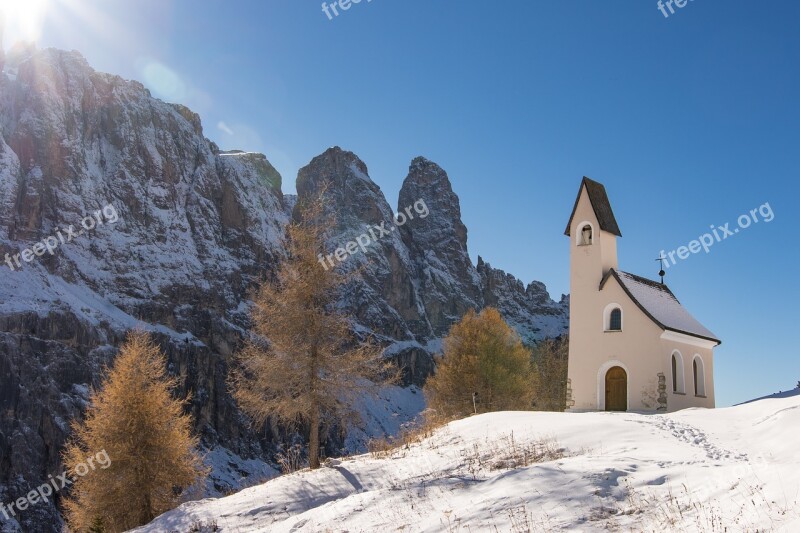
(674, 374)
(612, 317)
(615, 320)
(699, 372)
(587, 235)
(678, 384)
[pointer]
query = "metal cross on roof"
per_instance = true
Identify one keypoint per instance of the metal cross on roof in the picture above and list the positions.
(661, 272)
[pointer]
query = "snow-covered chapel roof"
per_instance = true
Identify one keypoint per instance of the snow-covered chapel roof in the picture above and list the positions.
(658, 303)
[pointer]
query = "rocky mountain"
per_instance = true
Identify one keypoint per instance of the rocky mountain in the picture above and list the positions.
(116, 213)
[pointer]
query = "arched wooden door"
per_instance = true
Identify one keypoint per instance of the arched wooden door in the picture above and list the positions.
(616, 389)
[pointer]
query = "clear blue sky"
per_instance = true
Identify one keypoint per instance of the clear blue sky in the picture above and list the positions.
(689, 121)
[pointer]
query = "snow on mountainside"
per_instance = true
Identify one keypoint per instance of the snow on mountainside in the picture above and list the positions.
(195, 229)
(731, 469)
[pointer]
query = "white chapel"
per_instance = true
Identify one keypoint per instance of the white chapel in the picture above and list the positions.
(632, 345)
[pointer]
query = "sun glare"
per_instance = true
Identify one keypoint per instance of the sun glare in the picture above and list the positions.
(23, 19)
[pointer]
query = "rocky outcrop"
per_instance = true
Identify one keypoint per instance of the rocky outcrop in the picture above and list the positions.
(182, 233)
(529, 310)
(448, 281)
(386, 302)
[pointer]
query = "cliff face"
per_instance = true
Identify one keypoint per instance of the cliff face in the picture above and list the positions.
(449, 283)
(186, 230)
(181, 233)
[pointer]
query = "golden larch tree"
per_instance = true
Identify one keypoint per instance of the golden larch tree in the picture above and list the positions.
(484, 367)
(134, 418)
(302, 365)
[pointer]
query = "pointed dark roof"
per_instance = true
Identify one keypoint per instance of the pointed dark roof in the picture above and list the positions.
(658, 303)
(602, 207)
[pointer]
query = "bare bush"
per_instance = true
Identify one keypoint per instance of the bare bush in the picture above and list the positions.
(291, 459)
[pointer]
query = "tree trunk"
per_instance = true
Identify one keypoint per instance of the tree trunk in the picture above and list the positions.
(314, 415)
(313, 439)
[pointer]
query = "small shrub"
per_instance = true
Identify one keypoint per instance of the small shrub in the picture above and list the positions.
(200, 526)
(291, 460)
(204, 527)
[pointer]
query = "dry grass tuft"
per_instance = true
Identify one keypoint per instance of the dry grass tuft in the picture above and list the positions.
(412, 433)
(291, 460)
(508, 453)
(682, 511)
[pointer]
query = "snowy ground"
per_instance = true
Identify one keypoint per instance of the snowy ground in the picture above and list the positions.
(731, 469)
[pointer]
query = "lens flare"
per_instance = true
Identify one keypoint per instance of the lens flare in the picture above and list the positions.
(163, 81)
(23, 20)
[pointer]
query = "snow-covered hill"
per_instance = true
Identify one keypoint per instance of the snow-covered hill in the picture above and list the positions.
(695, 470)
(779, 394)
